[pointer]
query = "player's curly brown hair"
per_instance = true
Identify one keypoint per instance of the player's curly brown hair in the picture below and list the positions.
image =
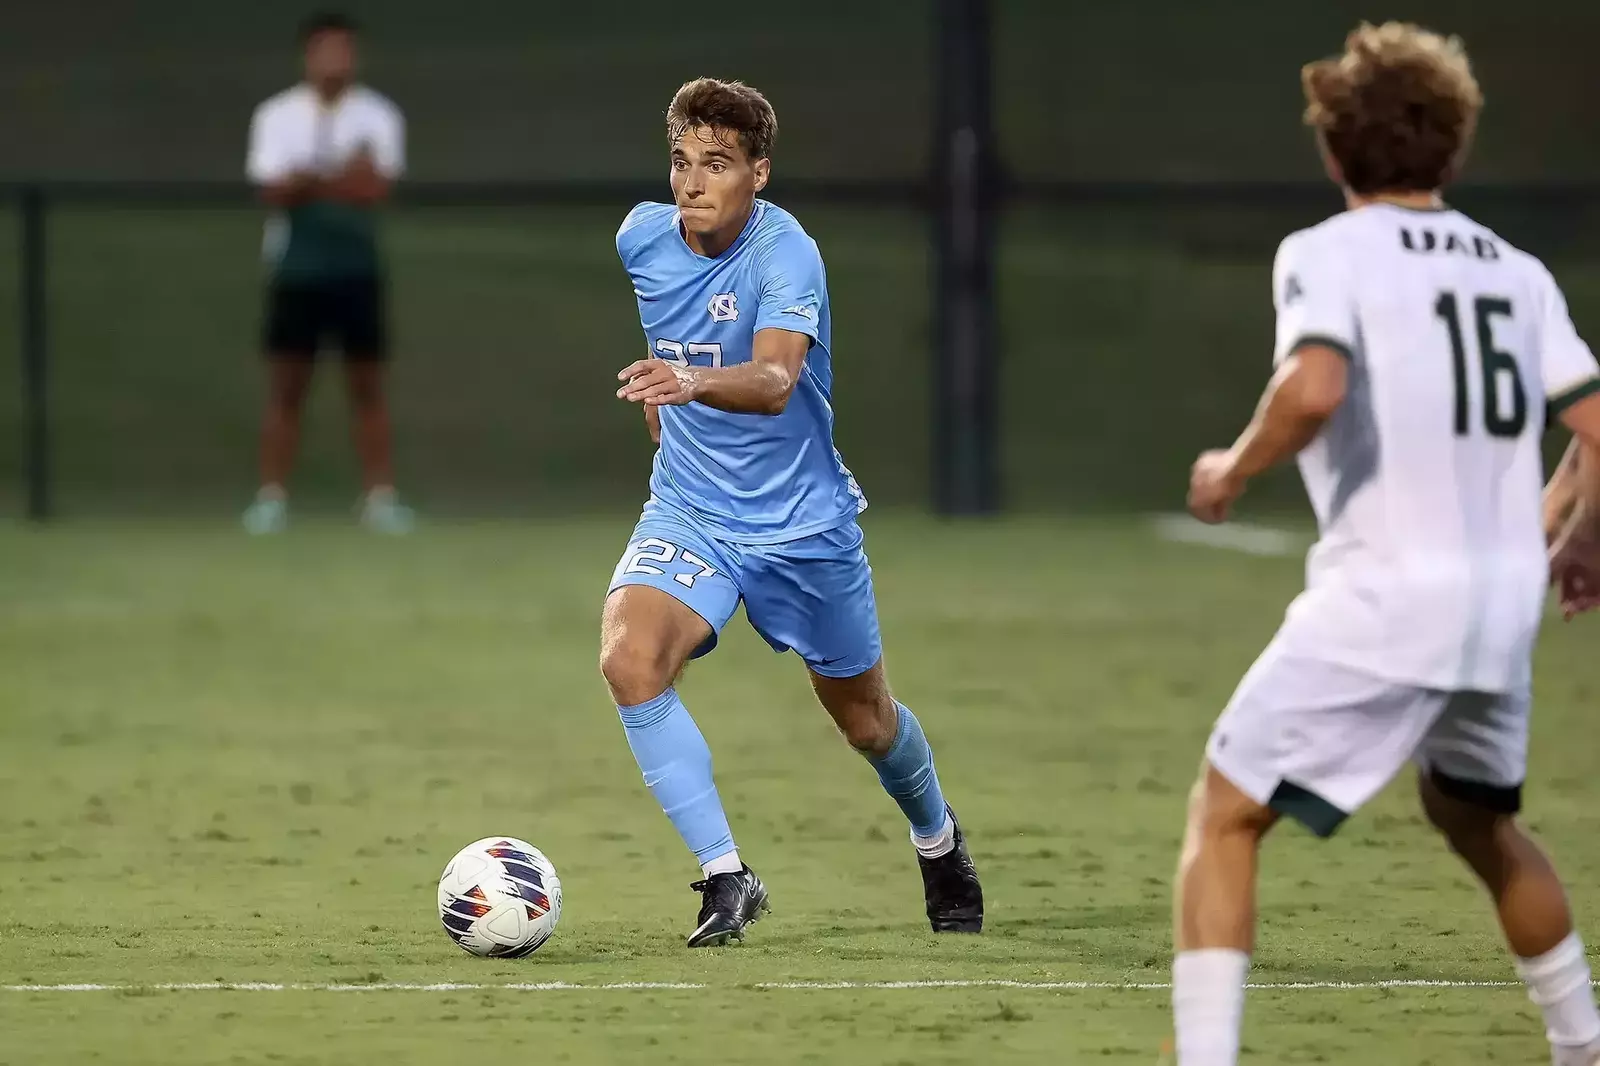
(730, 106)
(1397, 110)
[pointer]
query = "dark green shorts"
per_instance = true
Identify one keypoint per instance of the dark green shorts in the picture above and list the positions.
(349, 314)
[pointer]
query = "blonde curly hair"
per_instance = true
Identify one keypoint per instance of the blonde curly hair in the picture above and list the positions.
(1397, 111)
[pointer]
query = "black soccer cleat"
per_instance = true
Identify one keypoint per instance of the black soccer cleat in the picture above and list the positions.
(729, 902)
(950, 885)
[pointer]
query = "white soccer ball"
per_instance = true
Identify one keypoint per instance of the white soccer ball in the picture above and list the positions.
(500, 897)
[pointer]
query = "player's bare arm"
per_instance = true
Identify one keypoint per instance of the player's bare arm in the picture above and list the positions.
(1580, 468)
(291, 191)
(359, 183)
(1561, 494)
(1570, 503)
(1572, 512)
(760, 387)
(1304, 393)
(652, 423)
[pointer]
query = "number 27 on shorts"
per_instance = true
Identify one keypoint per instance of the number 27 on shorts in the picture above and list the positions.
(651, 554)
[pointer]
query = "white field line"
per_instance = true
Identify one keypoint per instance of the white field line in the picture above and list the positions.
(1230, 536)
(785, 986)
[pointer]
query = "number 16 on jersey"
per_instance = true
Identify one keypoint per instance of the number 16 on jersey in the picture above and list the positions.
(1493, 363)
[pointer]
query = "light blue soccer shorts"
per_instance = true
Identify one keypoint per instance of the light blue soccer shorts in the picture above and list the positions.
(813, 594)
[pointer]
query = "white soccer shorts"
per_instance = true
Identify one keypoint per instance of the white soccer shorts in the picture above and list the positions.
(1315, 741)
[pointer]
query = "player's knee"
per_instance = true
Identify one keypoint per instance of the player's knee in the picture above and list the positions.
(1219, 810)
(862, 708)
(635, 671)
(288, 392)
(869, 726)
(365, 390)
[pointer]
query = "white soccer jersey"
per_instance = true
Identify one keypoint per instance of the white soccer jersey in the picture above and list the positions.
(295, 131)
(1430, 568)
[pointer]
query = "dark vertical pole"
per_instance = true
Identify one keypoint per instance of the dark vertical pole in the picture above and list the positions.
(35, 356)
(965, 431)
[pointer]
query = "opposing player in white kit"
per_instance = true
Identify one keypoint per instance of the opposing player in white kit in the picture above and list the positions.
(1419, 357)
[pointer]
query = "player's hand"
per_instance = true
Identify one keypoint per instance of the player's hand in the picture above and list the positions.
(657, 383)
(1575, 567)
(1579, 589)
(363, 163)
(1213, 487)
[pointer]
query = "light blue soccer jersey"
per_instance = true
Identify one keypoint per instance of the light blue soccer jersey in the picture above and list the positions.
(749, 479)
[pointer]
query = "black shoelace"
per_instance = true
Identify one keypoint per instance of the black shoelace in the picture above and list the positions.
(721, 893)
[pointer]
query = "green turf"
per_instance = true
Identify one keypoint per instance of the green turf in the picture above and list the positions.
(247, 761)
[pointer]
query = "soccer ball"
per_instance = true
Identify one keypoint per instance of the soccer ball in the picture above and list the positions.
(500, 897)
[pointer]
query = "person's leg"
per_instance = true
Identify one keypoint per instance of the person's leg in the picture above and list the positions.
(891, 739)
(1470, 785)
(369, 411)
(667, 602)
(289, 337)
(1214, 918)
(815, 596)
(363, 332)
(1301, 738)
(646, 636)
(288, 384)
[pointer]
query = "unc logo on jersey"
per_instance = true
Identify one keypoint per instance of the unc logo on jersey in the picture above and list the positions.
(724, 307)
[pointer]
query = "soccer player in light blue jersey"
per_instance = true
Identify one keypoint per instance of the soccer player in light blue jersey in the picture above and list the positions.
(749, 501)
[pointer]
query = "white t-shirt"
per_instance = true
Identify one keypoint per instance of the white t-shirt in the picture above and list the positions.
(294, 131)
(1430, 568)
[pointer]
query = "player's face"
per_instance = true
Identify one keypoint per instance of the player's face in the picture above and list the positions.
(330, 58)
(713, 181)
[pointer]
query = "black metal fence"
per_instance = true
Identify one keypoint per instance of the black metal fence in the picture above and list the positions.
(1047, 230)
(1132, 325)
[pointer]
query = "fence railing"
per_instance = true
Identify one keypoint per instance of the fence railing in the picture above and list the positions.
(1125, 278)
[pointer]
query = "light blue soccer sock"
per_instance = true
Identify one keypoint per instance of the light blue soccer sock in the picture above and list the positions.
(908, 776)
(676, 763)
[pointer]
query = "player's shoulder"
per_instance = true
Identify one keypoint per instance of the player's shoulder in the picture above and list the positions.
(1331, 233)
(1537, 278)
(1495, 247)
(1460, 233)
(291, 100)
(777, 226)
(778, 234)
(1338, 244)
(371, 100)
(647, 222)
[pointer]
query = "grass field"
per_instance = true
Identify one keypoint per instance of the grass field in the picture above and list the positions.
(234, 761)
